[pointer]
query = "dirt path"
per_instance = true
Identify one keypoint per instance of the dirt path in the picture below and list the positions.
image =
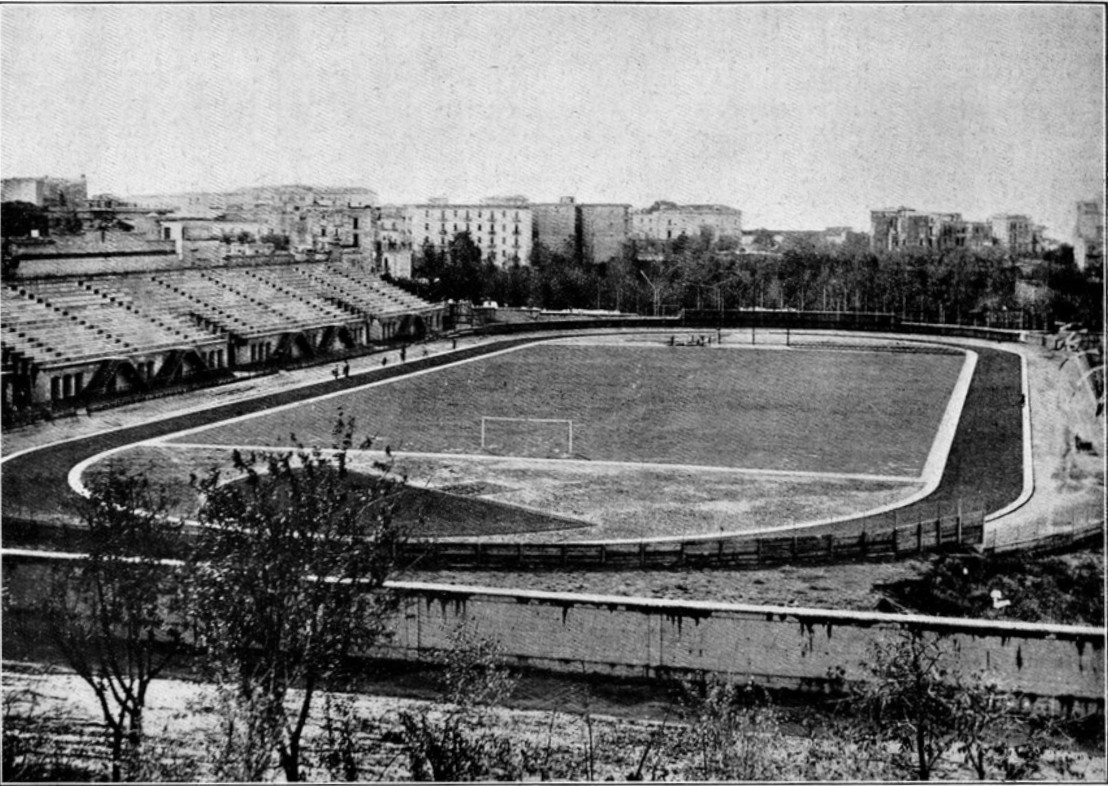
(1069, 485)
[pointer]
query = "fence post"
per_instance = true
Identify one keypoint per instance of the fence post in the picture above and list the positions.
(477, 553)
(794, 547)
(938, 532)
(958, 521)
(894, 542)
(919, 537)
(642, 554)
(719, 551)
(863, 544)
(830, 546)
(603, 554)
(682, 558)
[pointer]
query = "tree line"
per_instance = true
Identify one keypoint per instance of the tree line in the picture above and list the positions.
(702, 272)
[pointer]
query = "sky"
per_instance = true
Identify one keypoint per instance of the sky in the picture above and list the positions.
(803, 117)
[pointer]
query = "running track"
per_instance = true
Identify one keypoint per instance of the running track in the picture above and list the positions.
(983, 471)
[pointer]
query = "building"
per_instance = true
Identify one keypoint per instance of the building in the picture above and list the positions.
(668, 221)
(595, 232)
(394, 242)
(55, 192)
(502, 231)
(555, 225)
(1088, 234)
(604, 229)
(900, 228)
(1014, 233)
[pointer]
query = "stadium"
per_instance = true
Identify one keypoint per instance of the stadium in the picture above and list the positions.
(565, 481)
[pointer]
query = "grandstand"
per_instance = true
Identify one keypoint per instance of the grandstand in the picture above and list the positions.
(86, 337)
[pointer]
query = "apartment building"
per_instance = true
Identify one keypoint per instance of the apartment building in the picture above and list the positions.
(668, 221)
(1014, 232)
(394, 241)
(503, 231)
(555, 225)
(899, 228)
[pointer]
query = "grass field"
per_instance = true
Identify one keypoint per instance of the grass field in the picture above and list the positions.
(502, 499)
(812, 411)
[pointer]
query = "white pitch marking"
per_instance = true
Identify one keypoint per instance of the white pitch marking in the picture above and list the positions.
(344, 392)
(573, 463)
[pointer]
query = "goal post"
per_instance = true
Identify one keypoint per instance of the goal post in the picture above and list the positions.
(522, 428)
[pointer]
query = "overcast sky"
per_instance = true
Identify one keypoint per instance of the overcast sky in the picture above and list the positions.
(802, 117)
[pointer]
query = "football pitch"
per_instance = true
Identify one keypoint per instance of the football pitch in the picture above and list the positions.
(804, 411)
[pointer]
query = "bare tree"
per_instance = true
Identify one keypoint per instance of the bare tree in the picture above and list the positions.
(109, 614)
(287, 581)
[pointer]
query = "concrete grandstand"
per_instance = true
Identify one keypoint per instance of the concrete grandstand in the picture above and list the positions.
(87, 337)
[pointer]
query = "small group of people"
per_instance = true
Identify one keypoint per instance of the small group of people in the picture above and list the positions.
(344, 370)
(694, 341)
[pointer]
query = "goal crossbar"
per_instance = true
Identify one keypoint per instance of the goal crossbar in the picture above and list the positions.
(486, 419)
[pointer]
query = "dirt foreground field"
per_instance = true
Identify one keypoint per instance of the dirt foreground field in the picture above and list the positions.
(575, 737)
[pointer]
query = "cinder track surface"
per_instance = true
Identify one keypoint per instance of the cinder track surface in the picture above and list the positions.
(983, 470)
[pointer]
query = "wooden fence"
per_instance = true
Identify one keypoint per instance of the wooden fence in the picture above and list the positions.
(736, 551)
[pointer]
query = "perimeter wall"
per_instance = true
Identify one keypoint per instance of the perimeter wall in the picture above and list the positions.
(1055, 668)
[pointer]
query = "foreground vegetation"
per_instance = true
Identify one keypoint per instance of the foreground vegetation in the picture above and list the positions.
(699, 730)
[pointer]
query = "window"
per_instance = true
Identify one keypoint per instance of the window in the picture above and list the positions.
(355, 222)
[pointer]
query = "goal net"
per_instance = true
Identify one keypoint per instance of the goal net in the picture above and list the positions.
(530, 437)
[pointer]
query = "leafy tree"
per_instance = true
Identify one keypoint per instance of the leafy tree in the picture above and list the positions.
(911, 699)
(287, 581)
(19, 219)
(109, 616)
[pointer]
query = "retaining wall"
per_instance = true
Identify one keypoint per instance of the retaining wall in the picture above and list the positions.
(1057, 668)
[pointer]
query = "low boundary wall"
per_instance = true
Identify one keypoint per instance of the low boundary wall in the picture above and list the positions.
(930, 534)
(1054, 668)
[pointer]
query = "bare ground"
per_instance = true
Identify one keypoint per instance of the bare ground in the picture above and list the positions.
(181, 722)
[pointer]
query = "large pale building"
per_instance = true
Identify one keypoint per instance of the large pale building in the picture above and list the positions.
(502, 231)
(668, 221)
(1088, 234)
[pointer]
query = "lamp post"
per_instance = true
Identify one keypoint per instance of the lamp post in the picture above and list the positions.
(653, 288)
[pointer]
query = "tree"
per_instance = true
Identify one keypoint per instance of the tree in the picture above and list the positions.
(911, 699)
(287, 581)
(110, 614)
(19, 219)
(455, 744)
(730, 734)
